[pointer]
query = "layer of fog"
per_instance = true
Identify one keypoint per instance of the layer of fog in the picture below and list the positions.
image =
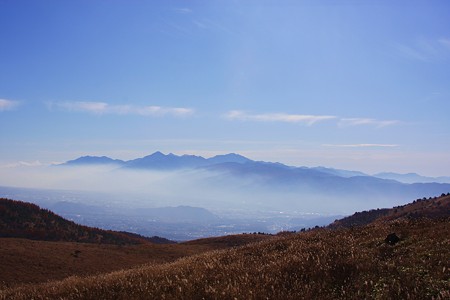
(215, 191)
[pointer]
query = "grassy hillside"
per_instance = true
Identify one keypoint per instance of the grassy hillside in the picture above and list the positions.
(30, 261)
(345, 262)
(352, 263)
(431, 208)
(229, 241)
(37, 245)
(26, 220)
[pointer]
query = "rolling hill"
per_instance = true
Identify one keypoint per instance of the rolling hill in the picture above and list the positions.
(26, 220)
(37, 245)
(431, 208)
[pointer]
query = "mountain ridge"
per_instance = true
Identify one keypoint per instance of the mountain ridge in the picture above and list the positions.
(412, 177)
(98, 160)
(317, 186)
(161, 161)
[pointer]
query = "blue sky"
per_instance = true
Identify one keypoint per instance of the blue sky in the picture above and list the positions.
(361, 85)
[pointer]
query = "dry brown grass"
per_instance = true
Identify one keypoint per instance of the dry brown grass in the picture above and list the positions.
(431, 208)
(320, 264)
(28, 261)
(223, 242)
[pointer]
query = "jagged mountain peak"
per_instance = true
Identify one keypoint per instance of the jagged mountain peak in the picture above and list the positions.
(230, 157)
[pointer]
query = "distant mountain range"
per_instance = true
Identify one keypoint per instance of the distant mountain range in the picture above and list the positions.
(94, 160)
(160, 161)
(412, 178)
(319, 188)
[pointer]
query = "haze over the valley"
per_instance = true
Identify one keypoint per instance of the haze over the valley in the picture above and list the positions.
(230, 182)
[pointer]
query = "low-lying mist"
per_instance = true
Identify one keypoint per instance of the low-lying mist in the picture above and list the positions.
(212, 190)
(198, 202)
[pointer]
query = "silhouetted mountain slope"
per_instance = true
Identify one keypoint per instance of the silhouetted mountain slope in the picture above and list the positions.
(26, 220)
(431, 208)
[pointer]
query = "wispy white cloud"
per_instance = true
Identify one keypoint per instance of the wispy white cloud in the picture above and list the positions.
(105, 108)
(8, 104)
(307, 119)
(183, 10)
(426, 50)
(277, 117)
(445, 42)
(344, 122)
(212, 25)
(35, 163)
(361, 145)
(200, 25)
(93, 107)
(412, 53)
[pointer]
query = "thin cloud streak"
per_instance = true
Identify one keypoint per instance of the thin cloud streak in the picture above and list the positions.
(277, 117)
(361, 145)
(445, 42)
(183, 10)
(8, 104)
(426, 50)
(307, 119)
(105, 108)
(36, 163)
(345, 122)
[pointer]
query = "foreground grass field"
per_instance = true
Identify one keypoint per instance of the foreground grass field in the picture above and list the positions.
(28, 261)
(352, 263)
(37, 246)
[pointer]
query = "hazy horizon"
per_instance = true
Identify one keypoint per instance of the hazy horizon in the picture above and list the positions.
(255, 196)
(23, 164)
